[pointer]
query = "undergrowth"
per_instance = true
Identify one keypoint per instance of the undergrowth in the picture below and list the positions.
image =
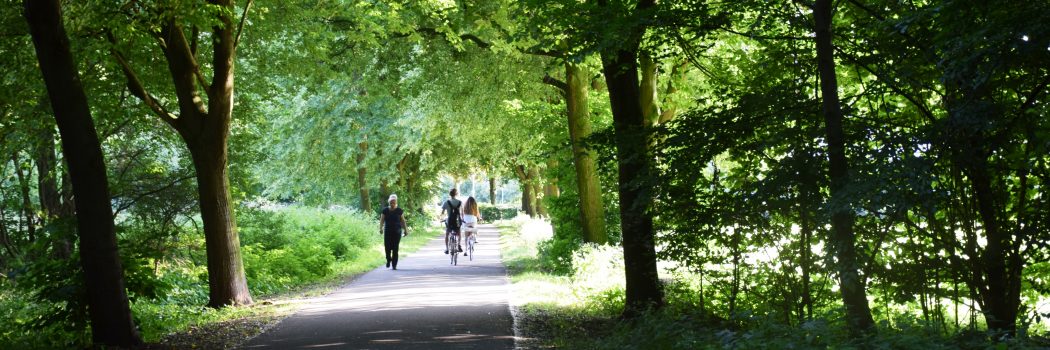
(582, 309)
(286, 251)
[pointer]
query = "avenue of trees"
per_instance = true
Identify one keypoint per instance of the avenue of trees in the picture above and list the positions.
(860, 161)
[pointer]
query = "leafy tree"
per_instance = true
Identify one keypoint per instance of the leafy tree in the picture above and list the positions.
(103, 277)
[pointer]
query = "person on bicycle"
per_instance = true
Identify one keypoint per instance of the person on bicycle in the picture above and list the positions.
(471, 216)
(454, 220)
(391, 225)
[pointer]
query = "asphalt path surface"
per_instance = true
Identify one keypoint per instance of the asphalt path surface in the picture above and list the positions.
(425, 304)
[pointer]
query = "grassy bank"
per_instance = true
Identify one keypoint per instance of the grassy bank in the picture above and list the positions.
(289, 253)
(582, 309)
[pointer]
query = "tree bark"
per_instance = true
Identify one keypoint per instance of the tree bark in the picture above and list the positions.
(550, 188)
(648, 90)
(528, 194)
(620, 66)
(49, 193)
(227, 284)
(205, 128)
(492, 190)
(108, 309)
(592, 209)
(843, 239)
(362, 184)
(537, 201)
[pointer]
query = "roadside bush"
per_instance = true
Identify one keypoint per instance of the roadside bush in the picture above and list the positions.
(295, 246)
(497, 212)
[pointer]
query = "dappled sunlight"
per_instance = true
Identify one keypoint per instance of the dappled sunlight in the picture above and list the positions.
(425, 303)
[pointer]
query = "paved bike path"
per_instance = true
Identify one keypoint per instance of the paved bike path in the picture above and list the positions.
(425, 304)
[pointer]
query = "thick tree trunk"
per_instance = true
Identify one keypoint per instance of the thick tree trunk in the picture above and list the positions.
(620, 66)
(205, 128)
(851, 283)
(492, 190)
(108, 309)
(592, 209)
(362, 183)
(227, 284)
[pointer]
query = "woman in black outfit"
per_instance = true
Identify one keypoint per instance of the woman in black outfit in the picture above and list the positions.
(391, 222)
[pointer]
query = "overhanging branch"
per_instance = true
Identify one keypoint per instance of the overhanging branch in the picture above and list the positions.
(136, 87)
(240, 27)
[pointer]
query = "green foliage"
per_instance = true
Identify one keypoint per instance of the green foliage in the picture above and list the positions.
(493, 213)
(294, 246)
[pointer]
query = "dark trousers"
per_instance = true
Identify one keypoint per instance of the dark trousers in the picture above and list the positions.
(391, 240)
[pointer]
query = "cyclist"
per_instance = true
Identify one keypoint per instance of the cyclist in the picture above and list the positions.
(454, 220)
(471, 216)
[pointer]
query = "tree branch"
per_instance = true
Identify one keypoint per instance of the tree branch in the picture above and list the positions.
(1031, 98)
(889, 83)
(552, 81)
(136, 87)
(129, 204)
(240, 27)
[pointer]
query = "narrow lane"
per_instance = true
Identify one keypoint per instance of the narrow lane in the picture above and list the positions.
(425, 304)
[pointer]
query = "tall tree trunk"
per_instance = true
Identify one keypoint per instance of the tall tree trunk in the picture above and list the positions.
(1000, 294)
(537, 200)
(27, 203)
(592, 209)
(50, 196)
(805, 246)
(362, 184)
(620, 66)
(492, 190)
(648, 89)
(851, 284)
(108, 309)
(550, 188)
(528, 194)
(227, 283)
(205, 128)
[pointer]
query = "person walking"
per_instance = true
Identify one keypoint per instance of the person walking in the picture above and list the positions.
(391, 225)
(454, 219)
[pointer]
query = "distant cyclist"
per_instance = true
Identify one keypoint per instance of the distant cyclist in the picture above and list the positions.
(471, 216)
(454, 220)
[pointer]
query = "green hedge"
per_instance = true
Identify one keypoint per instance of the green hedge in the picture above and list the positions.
(497, 212)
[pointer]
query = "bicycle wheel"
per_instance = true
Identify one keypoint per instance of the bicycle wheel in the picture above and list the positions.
(452, 245)
(470, 247)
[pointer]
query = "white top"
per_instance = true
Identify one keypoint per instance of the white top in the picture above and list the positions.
(470, 219)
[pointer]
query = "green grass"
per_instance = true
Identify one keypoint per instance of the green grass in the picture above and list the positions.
(289, 254)
(582, 310)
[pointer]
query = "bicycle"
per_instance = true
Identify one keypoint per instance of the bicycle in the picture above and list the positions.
(471, 239)
(453, 245)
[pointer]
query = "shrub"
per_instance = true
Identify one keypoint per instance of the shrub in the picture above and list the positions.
(493, 212)
(294, 246)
